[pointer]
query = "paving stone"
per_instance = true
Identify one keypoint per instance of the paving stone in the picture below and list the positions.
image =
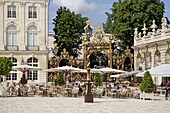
(77, 105)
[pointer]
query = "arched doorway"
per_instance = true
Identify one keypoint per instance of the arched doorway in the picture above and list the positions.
(64, 62)
(98, 59)
(127, 66)
(127, 60)
(96, 43)
(58, 61)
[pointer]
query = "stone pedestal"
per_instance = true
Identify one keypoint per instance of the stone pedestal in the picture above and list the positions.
(88, 98)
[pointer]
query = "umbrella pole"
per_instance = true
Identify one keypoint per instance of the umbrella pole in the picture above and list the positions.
(106, 81)
(66, 78)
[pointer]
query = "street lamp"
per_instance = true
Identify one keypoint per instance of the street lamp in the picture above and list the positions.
(88, 96)
(88, 30)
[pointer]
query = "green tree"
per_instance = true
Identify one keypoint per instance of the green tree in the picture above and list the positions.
(97, 79)
(60, 80)
(147, 84)
(107, 26)
(5, 66)
(127, 15)
(68, 30)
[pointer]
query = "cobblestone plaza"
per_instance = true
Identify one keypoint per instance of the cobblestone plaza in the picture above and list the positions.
(77, 105)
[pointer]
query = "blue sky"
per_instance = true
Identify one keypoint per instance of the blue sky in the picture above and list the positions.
(93, 9)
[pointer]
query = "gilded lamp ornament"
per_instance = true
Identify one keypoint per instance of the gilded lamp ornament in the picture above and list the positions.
(88, 30)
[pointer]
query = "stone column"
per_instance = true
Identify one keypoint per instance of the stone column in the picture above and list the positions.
(152, 58)
(2, 26)
(43, 27)
(163, 52)
(135, 59)
(22, 27)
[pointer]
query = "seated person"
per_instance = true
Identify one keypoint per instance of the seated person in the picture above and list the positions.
(167, 88)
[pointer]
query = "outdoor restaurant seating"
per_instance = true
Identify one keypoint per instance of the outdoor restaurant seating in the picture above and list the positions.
(24, 90)
(39, 91)
(122, 91)
(11, 89)
(98, 92)
(75, 91)
(113, 93)
(64, 92)
(56, 91)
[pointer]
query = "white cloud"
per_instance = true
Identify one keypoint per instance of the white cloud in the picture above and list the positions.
(78, 6)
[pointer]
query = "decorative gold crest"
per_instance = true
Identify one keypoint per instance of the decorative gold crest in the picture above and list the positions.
(99, 35)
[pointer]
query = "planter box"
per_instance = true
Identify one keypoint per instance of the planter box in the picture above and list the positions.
(144, 95)
(148, 95)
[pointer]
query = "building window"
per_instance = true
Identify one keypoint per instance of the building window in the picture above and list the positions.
(32, 75)
(32, 36)
(11, 11)
(32, 12)
(13, 76)
(11, 36)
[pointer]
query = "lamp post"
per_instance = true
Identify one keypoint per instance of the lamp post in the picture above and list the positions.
(88, 96)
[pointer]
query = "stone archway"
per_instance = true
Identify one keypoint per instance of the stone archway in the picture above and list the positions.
(125, 56)
(64, 56)
(55, 62)
(98, 59)
(96, 43)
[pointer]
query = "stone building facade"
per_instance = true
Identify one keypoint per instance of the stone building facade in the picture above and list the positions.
(24, 35)
(152, 48)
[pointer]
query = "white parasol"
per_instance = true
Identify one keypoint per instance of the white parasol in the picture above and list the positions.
(25, 68)
(66, 69)
(107, 71)
(126, 74)
(15, 72)
(162, 70)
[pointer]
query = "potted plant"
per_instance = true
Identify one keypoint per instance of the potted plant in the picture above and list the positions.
(147, 86)
(97, 79)
(60, 80)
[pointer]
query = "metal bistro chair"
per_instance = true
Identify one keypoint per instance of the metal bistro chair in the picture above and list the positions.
(75, 91)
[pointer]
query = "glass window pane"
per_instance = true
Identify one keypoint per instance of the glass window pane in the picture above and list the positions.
(32, 12)
(11, 36)
(11, 12)
(33, 75)
(32, 35)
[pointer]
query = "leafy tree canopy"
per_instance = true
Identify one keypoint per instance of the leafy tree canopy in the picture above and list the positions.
(68, 30)
(147, 84)
(130, 14)
(5, 66)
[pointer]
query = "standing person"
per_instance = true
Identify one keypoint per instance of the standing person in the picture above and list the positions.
(167, 88)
